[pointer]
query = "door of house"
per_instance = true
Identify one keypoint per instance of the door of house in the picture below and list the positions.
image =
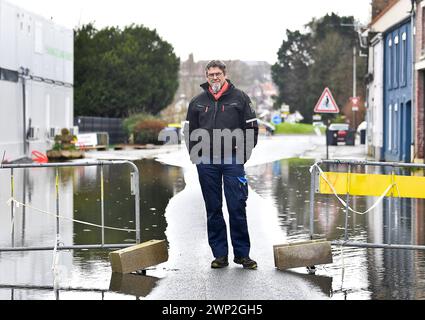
(406, 131)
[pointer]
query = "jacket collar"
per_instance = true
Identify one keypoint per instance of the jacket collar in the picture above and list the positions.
(205, 86)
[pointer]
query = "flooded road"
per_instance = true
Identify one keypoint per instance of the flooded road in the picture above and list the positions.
(367, 273)
(355, 274)
(29, 275)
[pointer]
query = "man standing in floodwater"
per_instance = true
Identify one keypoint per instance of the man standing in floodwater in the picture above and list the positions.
(223, 117)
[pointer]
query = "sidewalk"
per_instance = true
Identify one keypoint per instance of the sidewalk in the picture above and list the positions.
(132, 154)
(276, 147)
(339, 152)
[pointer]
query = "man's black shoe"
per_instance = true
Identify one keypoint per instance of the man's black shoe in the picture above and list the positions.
(246, 262)
(220, 262)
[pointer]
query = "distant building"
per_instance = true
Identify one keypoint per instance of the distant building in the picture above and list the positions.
(36, 81)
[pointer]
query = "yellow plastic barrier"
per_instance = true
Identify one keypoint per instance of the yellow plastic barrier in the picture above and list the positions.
(373, 185)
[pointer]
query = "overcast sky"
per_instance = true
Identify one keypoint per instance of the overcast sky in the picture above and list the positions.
(216, 29)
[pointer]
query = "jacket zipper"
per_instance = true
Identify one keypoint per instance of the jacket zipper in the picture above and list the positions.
(215, 112)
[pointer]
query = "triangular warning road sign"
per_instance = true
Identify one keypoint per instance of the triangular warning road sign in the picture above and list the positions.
(326, 103)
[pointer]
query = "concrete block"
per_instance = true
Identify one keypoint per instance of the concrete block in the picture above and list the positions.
(302, 254)
(132, 284)
(139, 257)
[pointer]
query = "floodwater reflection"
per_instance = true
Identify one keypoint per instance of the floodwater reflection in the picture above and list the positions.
(132, 284)
(367, 273)
(25, 275)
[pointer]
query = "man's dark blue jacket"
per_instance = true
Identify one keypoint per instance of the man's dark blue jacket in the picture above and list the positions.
(233, 110)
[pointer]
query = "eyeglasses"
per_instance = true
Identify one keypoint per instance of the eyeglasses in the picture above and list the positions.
(213, 75)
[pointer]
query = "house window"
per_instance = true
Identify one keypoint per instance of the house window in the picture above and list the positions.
(390, 64)
(403, 58)
(394, 128)
(396, 60)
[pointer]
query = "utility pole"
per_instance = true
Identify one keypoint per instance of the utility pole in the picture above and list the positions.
(356, 27)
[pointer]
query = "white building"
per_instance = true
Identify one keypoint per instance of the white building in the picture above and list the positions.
(36, 81)
(375, 101)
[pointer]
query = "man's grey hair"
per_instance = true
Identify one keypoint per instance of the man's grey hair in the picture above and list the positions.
(216, 64)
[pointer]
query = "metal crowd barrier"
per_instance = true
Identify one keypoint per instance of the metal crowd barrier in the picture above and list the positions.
(135, 191)
(56, 291)
(414, 187)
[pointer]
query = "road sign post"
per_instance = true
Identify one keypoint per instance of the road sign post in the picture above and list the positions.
(326, 104)
(354, 108)
(327, 139)
(277, 119)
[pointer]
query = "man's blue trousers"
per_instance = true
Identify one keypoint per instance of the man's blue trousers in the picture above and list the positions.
(212, 178)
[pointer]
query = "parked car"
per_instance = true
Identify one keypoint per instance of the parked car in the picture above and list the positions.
(340, 132)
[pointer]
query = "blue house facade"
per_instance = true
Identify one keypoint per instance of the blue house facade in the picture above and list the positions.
(398, 93)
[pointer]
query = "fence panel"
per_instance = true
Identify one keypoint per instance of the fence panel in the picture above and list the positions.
(113, 126)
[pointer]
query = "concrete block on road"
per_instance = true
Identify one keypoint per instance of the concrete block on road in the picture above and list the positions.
(139, 257)
(302, 254)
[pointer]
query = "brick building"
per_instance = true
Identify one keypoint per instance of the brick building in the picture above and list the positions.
(420, 81)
